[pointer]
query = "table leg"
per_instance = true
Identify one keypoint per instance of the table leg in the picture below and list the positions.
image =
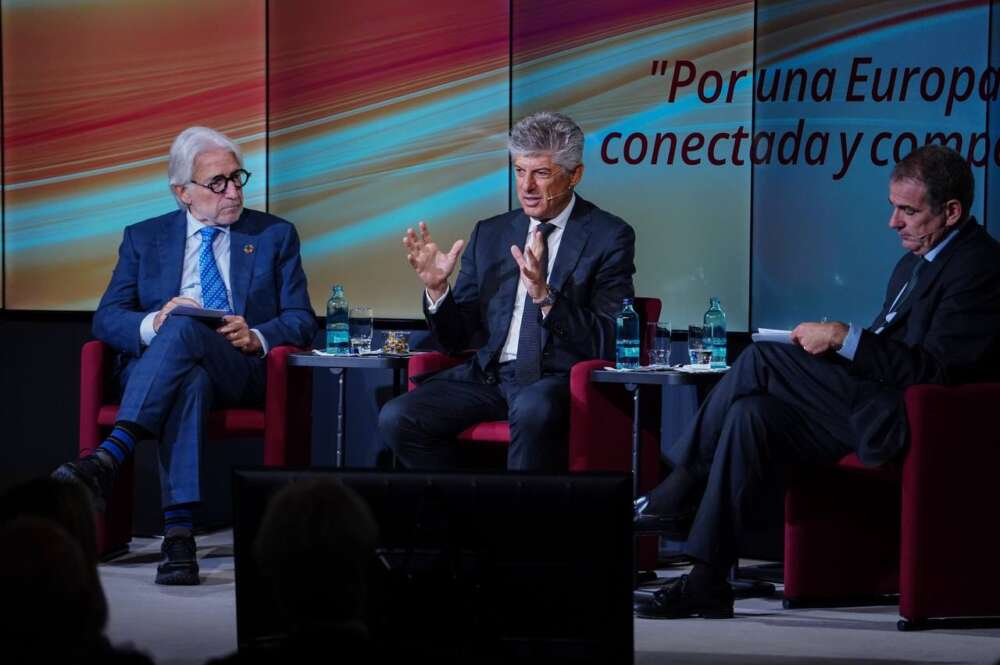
(636, 434)
(633, 388)
(400, 376)
(396, 387)
(341, 415)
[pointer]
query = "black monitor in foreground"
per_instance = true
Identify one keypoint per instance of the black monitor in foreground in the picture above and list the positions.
(494, 568)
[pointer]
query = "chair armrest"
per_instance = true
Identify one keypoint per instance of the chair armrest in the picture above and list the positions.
(432, 361)
(287, 410)
(954, 449)
(94, 360)
(600, 422)
(949, 479)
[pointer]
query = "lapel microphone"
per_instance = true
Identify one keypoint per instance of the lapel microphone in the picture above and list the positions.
(559, 196)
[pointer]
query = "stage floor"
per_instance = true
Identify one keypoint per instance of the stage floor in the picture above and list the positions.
(187, 625)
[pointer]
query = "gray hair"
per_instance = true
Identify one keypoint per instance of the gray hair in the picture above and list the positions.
(550, 133)
(187, 146)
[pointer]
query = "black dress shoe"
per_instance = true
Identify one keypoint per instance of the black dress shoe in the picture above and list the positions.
(179, 566)
(674, 526)
(96, 472)
(677, 599)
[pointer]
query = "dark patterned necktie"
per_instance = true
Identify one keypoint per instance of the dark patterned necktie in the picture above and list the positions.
(903, 295)
(213, 289)
(528, 364)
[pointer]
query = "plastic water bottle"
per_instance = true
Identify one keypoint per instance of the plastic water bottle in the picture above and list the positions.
(715, 332)
(627, 337)
(338, 333)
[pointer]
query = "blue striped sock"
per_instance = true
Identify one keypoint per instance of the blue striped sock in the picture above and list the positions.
(178, 520)
(119, 444)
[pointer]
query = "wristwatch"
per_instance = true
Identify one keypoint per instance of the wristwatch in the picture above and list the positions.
(547, 300)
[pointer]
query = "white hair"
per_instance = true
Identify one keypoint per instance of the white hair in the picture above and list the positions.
(187, 146)
(550, 133)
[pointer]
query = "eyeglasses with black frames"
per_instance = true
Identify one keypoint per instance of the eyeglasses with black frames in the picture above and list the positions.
(218, 184)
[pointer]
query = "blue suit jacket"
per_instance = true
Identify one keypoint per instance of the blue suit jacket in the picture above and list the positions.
(592, 274)
(268, 283)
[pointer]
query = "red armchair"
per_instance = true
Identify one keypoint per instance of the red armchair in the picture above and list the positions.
(921, 529)
(600, 429)
(285, 422)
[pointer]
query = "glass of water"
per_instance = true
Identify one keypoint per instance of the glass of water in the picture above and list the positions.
(361, 323)
(658, 335)
(697, 353)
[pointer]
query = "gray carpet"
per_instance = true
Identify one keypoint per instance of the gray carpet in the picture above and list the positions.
(190, 624)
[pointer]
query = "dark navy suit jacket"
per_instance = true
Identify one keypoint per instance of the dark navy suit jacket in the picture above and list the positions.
(946, 332)
(592, 274)
(265, 272)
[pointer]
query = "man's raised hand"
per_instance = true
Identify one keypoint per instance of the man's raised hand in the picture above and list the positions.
(530, 264)
(432, 266)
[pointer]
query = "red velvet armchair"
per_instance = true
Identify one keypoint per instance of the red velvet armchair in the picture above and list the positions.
(285, 423)
(921, 529)
(600, 428)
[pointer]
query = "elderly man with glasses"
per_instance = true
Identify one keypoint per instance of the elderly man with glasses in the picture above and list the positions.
(211, 254)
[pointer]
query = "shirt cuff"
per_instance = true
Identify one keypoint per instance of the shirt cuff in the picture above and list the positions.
(432, 305)
(263, 342)
(146, 331)
(850, 345)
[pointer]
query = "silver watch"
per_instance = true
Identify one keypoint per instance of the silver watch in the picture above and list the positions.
(547, 301)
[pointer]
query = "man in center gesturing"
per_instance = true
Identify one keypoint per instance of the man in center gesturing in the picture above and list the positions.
(538, 290)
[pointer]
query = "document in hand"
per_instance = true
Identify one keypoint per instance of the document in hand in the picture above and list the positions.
(212, 317)
(772, 335)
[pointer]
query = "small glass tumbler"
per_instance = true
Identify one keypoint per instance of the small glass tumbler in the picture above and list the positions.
(361, 324)
(697, 353)
(658, 335)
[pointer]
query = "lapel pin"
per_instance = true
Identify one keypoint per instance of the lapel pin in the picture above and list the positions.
(248, 249)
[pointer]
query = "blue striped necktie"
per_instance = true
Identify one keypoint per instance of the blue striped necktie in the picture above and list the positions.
(213, 289)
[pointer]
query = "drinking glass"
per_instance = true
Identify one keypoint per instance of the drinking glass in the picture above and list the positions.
(697, 353)
(658, 335)
(361, 325)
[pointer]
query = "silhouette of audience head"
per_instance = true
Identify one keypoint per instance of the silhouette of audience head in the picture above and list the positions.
(56, 608)
(316, 543)
(66, 504)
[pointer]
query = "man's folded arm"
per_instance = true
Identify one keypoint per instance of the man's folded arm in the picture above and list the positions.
(119, 317)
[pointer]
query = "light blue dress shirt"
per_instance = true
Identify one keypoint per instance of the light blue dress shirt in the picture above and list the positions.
(191, 275)
(850, 345)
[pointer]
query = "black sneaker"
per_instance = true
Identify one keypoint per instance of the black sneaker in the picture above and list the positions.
(678, 599)
(95, 471)
(179, 566)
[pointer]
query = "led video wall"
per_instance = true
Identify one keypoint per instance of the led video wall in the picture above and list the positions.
(846, 88)
(748, 143)
(382, 115)
(612, 67)
(93, 94)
